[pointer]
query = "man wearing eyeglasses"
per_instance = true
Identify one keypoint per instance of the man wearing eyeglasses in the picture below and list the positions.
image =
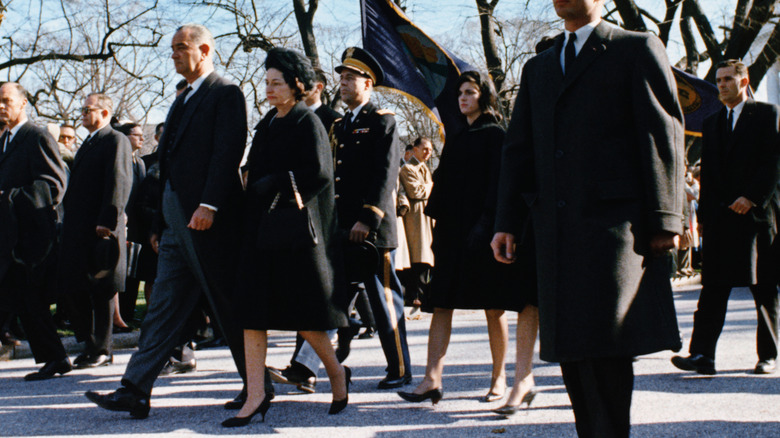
(98, 190)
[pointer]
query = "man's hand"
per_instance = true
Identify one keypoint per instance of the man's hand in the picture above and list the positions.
(102, 231)
(662, 242)
(154, 240)
(202, 219)
(503, 245)
(359, 232)
(742, 205)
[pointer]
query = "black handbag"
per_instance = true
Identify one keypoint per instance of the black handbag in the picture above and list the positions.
(286, 227)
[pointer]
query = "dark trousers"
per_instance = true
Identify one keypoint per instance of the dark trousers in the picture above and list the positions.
(177, 291)
(600, 393)
(91, 316)
(710, 316)
(128, 298)
(387, 305)
(33, 312)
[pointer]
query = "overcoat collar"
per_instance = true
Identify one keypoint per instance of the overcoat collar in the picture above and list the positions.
(595, 45)
(190, 107)
(88, 146)
(16, 141)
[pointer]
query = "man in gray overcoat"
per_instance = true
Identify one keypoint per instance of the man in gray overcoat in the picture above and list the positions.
(592, 159)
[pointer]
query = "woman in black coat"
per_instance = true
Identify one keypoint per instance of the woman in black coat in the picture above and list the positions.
(296, 286)
(466, 275)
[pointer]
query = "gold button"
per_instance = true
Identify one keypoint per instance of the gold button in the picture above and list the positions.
(341, 145)
(338, 178)
(337, 196)
(338, 162)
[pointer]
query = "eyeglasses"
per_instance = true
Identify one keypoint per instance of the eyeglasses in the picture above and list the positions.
(87, 110)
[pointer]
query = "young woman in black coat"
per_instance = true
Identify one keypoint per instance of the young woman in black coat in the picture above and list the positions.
(465, 275)
(291, 288)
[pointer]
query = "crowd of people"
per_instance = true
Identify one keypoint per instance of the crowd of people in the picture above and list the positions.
(569, 218)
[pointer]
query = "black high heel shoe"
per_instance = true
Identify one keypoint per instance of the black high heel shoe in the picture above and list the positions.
(337, 406)
(528, 398)
(435, 395)
(243, 421)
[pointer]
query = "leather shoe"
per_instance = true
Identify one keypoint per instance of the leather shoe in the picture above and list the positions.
(178, 367)
(50, 369)
(765, 367)
(7, 338)
(289, 376)
(94, 361)
(391, 382)
(124, 400)
(695, 362)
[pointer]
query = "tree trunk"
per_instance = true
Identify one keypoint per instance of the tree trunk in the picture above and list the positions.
(765, 59)
(692, 9)
(691, 54)
(305, 19)
(487, 26)
(665, 27)
(632, 18)
(746, 28)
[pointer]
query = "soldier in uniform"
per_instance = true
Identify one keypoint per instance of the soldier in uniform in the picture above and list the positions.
(366, 156)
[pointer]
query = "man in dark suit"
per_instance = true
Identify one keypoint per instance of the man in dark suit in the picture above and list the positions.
(738, 208)
(94, 210)
(304, 364)
(32, 183)
(592, 158)
(200, 151)
(367, 154)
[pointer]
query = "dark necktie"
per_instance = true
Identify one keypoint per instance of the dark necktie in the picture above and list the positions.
(347, 121)
(569, 53)
(3, 141)
(730, 121)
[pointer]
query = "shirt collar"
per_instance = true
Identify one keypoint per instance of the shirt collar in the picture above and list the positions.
(737, 110)
(583, 34)
(356, 111)
(197, 83)
(14, 130)
(315, 105)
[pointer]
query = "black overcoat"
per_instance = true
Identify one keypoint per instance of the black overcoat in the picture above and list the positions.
(743, 163)
(597, 155)
(32, 179)
(463, 203)
(98, 190)
(302, 288)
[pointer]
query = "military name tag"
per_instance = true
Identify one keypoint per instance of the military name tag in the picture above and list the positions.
(361, 131)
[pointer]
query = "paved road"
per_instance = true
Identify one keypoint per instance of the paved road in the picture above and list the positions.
(735, 403)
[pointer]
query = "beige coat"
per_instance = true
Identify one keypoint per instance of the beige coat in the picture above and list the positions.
(416, 181)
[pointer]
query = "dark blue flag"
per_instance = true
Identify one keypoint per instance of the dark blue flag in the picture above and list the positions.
(413, 63)
(698, 98)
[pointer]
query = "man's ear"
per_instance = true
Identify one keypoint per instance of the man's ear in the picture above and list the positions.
(205, 49)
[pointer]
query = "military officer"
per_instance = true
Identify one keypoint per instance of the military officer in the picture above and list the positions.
(366, 156)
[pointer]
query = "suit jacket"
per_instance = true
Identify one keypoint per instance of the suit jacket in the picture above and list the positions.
(596, 155)
(327, 116)
(416, 180)
(743, 163)
(98, 190)
(32, 179)
(366, 171)
(200, 162)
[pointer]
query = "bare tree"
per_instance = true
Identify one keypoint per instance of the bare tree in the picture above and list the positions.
(305, 18)
(488, 32)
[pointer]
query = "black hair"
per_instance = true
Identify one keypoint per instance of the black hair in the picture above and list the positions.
(488, 99)
(293, 66)
(418, 141)
(158, 128)
(127, 127)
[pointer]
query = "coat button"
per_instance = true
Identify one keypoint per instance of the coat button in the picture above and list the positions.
(558, 153)
(561, 204)
(341, 146)
(337, 196)
(338, 178)
(338, 162)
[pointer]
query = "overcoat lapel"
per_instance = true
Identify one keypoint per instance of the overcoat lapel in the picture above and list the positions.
(191, 106)
(593, 48)
(85, 148)
(14, 144)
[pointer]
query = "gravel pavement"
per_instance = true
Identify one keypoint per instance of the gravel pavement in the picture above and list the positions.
(667, 402)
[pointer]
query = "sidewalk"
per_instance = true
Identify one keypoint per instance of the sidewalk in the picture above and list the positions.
(735, 403)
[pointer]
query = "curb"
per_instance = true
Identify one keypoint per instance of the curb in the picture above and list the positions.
(120, 341)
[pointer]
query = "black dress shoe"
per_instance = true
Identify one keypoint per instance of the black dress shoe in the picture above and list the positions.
(124, 400)
(96, 361)
(368, 333)
(391, 382)
(695, 362)
(508, 410)
(435, 395)
(178, 367)
(50, 369)
(765, 367)
(290, 376)
(80, 359)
